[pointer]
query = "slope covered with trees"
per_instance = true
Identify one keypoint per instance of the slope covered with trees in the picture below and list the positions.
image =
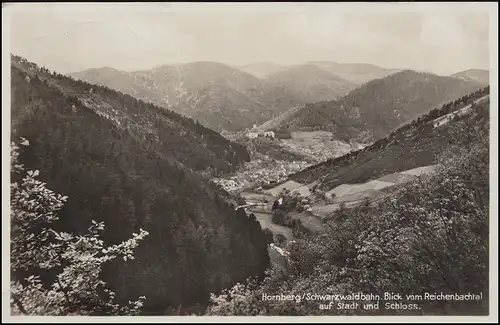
(413, 145)
(216, 95)
(427, 243)
(373, 110)
(180, 138)
(133, 165)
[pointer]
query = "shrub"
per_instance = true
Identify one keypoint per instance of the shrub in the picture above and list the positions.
(278, 217)
(269, 235)
(279, 239)
(74, 260)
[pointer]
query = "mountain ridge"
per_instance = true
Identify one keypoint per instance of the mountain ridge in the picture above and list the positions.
(372, 110)
(478, 75)
(135, 165)
(191, 87)
(311, 82)
(415, 144)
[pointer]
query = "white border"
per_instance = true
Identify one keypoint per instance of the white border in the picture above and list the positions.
(492, 8)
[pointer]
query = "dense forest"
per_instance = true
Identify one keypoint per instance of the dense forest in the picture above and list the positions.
(156, 128)
(429, 238)
(372, 111)
(133, 165)
(413, 145)
(219, 96)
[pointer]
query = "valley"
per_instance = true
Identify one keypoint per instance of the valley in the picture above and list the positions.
(132, 166)
(232, 98)
(206, 162)
(273, 160)
(339, 195)
(259, 202)
(304, 194)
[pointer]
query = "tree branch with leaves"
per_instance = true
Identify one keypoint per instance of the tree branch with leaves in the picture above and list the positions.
(77, 260)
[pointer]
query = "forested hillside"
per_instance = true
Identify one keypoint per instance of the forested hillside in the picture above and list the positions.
(180, 138)
(134, 165)
(373, 110)
(413, 145)
(218, 96)
(426, 242)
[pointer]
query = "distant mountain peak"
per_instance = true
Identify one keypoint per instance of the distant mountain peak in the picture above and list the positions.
(217, 95)
(479, 75)
(472, 70)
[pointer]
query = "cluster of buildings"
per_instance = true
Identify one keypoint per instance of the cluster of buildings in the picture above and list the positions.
(255, 133)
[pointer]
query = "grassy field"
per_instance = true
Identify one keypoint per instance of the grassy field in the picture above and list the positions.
(350, 189)
(252, 197)
(290, 185)
(353, 194)
(324, 210)
(348, 194)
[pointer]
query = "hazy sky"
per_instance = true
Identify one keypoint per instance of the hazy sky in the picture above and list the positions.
(442, 41)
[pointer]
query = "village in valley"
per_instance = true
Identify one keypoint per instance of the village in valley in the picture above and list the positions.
(234, 157)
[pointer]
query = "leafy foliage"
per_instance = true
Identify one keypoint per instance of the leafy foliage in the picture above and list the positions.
(292, 201)
(74, 260)
(239, 300)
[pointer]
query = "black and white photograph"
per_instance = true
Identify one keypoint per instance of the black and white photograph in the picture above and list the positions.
(198, 160)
